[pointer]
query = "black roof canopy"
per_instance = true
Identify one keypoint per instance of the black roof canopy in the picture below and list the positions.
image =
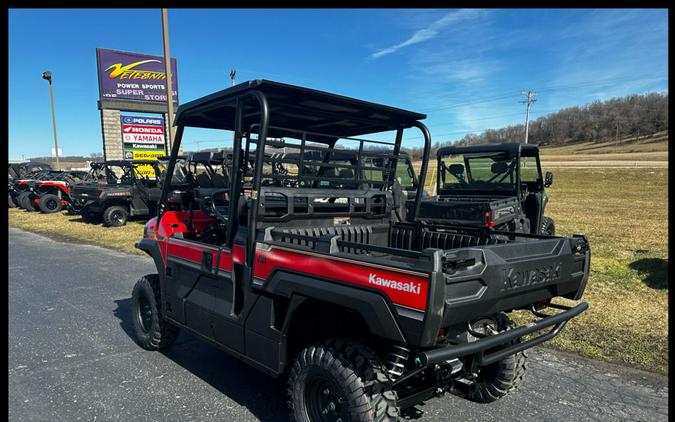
(297, 108)
(505, 147)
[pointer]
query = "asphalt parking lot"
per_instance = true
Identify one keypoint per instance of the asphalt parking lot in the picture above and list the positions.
(72, 357)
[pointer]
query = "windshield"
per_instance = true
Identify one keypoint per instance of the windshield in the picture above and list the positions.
(487, 171)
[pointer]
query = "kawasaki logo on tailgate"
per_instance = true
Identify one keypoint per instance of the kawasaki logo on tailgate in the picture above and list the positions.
(516, 278)
(408, 286)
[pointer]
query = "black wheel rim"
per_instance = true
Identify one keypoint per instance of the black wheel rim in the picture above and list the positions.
(144, 315)
(324, 400)
(117, 217)
(51, 204)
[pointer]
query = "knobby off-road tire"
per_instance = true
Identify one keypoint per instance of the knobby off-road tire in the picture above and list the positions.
(340, 380)
(50, 203)
(21, 199)
(27, 202)
(152, 331)
(115, 216)
(498, 379)
(547, 226)
(11, 204)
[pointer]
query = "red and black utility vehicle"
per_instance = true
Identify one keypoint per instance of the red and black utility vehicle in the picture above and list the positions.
(51, 195)
(365, 314)
(118, 189)
(22, 171)
(24, 189)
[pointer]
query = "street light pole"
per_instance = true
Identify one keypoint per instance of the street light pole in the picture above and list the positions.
(48, 76)
(169, 80)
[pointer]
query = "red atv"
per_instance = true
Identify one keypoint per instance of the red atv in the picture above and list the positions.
(50, 196)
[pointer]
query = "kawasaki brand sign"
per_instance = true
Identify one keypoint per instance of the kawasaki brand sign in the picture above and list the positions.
(134, 77)
(404, 286)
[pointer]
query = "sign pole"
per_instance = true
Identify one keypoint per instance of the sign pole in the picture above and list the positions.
(169, 87)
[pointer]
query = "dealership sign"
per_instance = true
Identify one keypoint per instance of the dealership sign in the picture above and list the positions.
(142, 130)
(143, 139)
(134, 77)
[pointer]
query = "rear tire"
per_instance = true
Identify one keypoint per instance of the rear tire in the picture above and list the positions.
(547, 226)
(90, 217)
(498, 379)
(115, 216)
(153, 332)
(340, 380)
(12, 204)
(50, 203)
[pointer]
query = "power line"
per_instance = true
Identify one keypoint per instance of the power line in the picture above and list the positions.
(530, 99)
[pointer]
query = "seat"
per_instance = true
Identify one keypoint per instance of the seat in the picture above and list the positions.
(203, 180)
(219, 181)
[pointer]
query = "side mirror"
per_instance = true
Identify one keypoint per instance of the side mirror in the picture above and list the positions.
(548, 180)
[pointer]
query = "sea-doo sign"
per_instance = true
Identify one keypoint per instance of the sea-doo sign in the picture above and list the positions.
(134, 77)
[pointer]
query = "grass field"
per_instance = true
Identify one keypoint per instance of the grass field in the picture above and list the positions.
(623, 211)
(625, 214)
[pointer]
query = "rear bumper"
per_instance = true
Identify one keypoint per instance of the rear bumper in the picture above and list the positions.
(479, 347)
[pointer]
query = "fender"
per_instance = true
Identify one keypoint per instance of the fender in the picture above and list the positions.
(151, 247)
(375, 310)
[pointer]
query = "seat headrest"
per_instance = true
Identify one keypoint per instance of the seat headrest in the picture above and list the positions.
(346, 174)
(499, 167)
(456, 169)
(200, 156)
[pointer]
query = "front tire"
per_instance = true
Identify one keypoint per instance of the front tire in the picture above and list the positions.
(12, 204)
(115, 216)
(50, 203)
(547, 226)
(340, 380)
(153, 332)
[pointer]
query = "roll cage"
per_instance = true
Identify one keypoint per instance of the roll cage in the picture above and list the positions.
(103, 170)
(315, 120)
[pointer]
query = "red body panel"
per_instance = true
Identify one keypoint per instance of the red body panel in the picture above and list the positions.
(403, 288)
(55, 184)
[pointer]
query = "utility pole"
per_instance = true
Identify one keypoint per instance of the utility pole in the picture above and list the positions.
(48, 76)
(233, 73)
(169, 87)
(530, 99)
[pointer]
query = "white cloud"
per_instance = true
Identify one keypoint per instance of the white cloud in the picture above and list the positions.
(431, 31)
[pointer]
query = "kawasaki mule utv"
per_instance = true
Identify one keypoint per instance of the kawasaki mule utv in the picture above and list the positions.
(364, 314)
(493, 185)
(129, 188)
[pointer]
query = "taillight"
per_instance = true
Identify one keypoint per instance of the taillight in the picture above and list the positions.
(98, 192)
(489, 222)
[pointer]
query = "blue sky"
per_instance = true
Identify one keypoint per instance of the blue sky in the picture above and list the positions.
(464, 68)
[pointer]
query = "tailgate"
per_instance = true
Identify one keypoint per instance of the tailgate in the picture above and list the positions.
(84, 192)
(484, 280)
